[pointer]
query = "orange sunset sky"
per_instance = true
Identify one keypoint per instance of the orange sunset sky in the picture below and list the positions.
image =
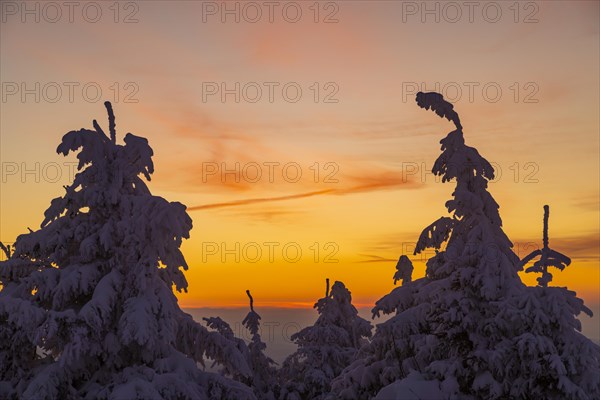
(364, 135)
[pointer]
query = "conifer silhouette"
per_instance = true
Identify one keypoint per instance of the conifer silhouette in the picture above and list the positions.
(88, 298)
(548, 257)
(470, 329)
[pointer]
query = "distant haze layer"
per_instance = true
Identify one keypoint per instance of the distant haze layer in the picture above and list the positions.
(279, 324)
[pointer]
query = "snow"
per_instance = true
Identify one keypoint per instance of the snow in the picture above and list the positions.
(325, 348)
(470, 323)
(92, 289)
(413, 387)
(88, 310)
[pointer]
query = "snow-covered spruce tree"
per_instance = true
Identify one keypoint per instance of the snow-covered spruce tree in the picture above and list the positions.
(92, 289)
(17, 351)
(236, 346)
(377, 363)
(263, 378)
(264, 375)
(576, 367)
(325, 348)
(470, 329)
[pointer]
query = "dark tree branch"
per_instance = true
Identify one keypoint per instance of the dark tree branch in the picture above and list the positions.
(5, 249)
(251, 300)
(546, 216)
(111, 121)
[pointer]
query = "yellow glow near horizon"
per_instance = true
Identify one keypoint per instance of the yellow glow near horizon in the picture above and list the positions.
(375, 144)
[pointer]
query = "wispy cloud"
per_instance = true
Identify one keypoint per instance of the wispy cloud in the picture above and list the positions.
(366, 184)
(371, 258)
(267, 214)
(590, 202)
(584, 247)
(244, 202)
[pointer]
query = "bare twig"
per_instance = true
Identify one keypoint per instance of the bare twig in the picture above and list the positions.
(111, 121)
(251, 300)
(546, 216)
(5, 249)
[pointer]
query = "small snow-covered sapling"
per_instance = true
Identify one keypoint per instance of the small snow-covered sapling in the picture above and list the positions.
(548, 257)
(404, 269)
